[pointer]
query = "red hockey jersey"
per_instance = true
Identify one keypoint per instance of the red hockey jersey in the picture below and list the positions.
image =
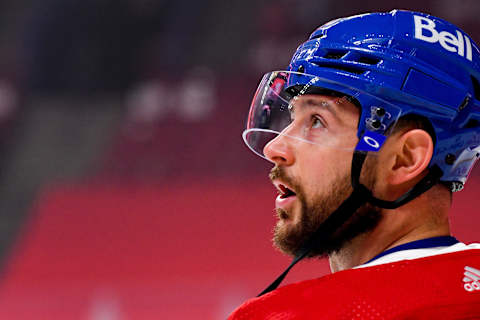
(445, 286)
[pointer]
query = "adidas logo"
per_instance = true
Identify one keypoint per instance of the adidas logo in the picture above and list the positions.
(471, 279)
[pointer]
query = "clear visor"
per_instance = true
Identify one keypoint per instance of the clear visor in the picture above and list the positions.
(290, 107)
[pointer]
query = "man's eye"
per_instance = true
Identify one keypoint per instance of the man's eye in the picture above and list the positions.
(317, 122)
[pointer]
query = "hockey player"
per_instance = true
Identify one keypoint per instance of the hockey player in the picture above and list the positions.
(371, 129)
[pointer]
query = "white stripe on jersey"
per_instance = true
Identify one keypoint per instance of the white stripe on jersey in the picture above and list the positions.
(411, 254)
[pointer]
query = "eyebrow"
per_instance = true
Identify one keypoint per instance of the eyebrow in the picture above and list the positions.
(310, 102)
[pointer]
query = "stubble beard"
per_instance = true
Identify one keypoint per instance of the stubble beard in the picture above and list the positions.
(289, 238)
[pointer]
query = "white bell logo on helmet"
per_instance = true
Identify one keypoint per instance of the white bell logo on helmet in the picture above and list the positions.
(447, 40)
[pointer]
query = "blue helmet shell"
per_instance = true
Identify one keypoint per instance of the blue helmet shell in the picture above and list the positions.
(420, 63)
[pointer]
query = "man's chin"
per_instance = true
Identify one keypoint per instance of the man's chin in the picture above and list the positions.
(290, 236)
(287, 237)
(287, 221)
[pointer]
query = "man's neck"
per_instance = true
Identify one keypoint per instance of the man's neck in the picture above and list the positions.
(397, 227)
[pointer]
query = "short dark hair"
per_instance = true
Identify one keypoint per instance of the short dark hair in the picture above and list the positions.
(414, 121)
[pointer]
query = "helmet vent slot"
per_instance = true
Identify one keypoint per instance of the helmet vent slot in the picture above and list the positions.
(476, 87)
(368, 60)
(345, 68)
(318, 36)
(335, 54)
(472, 123)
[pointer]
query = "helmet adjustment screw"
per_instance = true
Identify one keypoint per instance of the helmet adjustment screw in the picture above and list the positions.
(380, 112)
(450, 159)
(376, 124)
(301, 69)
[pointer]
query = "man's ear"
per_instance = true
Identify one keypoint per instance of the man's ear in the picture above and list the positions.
(411, 155)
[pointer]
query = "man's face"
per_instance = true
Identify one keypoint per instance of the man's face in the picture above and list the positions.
(312, 159)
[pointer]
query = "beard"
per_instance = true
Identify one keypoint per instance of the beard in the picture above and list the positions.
(289, 239)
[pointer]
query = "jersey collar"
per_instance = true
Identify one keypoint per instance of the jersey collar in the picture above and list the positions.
(443, 241)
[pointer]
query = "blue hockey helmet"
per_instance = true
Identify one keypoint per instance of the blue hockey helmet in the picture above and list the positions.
(392, 64)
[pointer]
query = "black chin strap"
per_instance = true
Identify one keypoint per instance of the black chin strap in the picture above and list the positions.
(359, 196)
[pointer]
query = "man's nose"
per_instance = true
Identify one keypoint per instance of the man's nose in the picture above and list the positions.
(279, 150)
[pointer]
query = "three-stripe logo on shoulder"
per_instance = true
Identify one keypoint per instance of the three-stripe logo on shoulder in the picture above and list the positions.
(471, 279)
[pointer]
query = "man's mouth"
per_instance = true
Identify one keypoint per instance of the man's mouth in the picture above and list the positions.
(286, 196)
(284, 191)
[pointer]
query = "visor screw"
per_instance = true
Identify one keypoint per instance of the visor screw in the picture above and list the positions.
(380, 112)
(376, 124)
(450, 159)
(301, 69)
